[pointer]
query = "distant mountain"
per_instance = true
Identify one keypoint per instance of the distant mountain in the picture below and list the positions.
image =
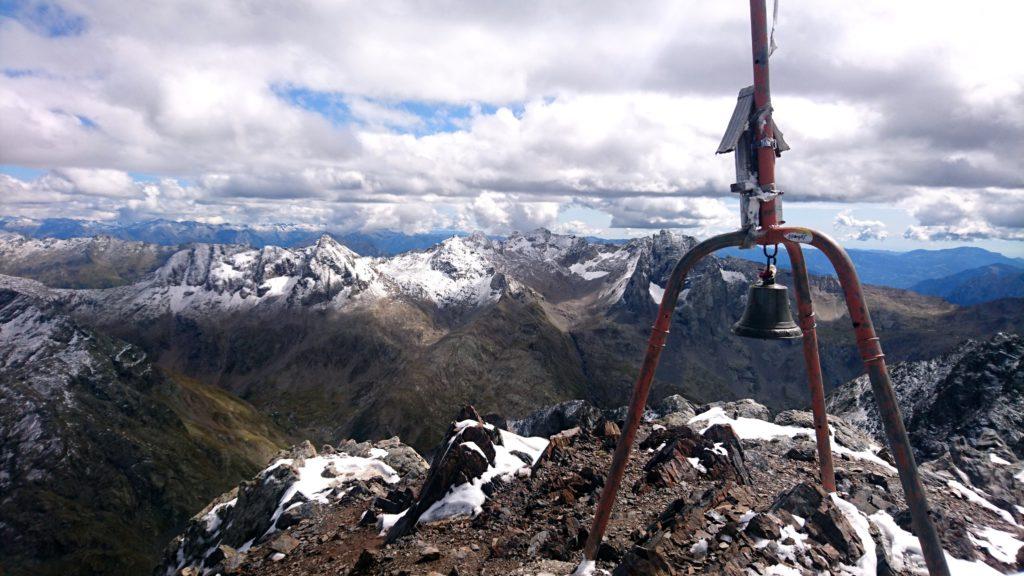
(879, 267)
(172, 233)
(976, 285)
(97, 262)
(103, 453)
(896, 269)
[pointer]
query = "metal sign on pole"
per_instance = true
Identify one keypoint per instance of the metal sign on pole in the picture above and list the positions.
(756, 141)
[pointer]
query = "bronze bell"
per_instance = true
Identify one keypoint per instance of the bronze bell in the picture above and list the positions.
(767, 315)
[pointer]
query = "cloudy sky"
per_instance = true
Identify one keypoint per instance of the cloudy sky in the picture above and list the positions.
(906, 119)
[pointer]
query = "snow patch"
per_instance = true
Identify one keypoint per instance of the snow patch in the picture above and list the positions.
(1002, 546)
(732, 276)
(757, 429)
(976, 498)
(997, 460)
(656, 292)
(905, 551)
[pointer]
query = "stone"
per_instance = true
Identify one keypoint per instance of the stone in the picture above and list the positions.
(330, 471)
(745, 408)
(429, 554)
(284, 543)
(675, 404)
(554, 419)
(295, 514)
(803, 452)
(365, 565)
(686, 455)
(536, 542)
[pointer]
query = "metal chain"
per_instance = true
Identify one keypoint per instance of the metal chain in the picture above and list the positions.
(771, 258)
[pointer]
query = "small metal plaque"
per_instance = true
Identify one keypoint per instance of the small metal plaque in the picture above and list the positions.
(801, 237)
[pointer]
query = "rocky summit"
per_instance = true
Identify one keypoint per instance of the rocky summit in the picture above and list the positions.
(719, 488)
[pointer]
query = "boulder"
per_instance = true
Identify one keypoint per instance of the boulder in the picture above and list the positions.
(675, 404)
(404, 459)
(284, 543)
(745, 408)
(552, 420)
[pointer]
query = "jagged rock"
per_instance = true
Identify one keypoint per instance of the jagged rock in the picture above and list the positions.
(365, 565)
(563, 439)
(823, 520)
(466, 454)
(745, 408)
(973, 392)
(686, 455)
(552, 420)
(257, 500)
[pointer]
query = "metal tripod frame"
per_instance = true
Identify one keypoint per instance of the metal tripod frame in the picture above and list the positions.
(870, 352)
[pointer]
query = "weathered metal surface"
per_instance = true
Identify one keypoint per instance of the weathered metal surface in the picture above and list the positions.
(767, 315)
(637, 402)
(805, 311)
(763, 128)
(740, 121)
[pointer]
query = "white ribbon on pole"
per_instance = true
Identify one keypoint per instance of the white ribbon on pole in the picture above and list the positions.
(775, 18)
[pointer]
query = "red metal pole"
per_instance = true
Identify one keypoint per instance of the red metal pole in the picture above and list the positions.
(805, 308)
(765, 135)
(659, 333)
(889, 410)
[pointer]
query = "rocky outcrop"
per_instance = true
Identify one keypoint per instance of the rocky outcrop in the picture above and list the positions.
(719, 500)
(976, 392)
(552, 420)
(681, 455)
(258, 515)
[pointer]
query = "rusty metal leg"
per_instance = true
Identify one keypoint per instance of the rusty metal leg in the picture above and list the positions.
(881, 386)
(659, 333)
(805, 308)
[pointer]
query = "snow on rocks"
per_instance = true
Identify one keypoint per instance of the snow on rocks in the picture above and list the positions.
(474, 454)
(903, 551)
(253, 513)
(758, 429)
(453, 272)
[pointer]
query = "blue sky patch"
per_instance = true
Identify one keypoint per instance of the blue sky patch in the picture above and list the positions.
(20, 172)
(433, 117)
(44, 18)
(330, 105)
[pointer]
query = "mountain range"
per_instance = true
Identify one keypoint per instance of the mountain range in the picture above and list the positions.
(321, 343)
(879, 267)
(976, 285)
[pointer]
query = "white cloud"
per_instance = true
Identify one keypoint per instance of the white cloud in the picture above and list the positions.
(328, 112)
(857, 229)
